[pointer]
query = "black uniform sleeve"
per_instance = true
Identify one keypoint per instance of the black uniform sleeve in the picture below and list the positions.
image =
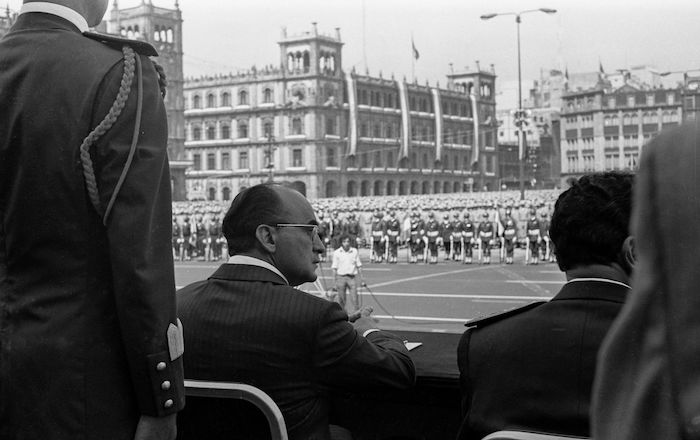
(138, 231)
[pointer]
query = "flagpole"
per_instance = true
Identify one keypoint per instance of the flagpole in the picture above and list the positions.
(413, 59)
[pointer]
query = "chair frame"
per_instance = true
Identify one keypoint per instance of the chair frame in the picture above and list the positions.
(527, 435)
(249, 393)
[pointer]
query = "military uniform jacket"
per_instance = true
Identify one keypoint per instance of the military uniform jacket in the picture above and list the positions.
(84, 308)
(485, 230)
(432, 230)
(534, 370)
(245, 324)
(393, 229)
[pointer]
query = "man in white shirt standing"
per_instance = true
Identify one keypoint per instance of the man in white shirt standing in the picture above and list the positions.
(347, 267)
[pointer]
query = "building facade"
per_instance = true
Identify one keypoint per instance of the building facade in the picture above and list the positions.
(331, 132)
(6, 21)
(604, 129)
(162, 28)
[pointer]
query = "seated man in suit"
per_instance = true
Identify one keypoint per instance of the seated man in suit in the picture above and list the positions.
(532, 368)
(246, 323)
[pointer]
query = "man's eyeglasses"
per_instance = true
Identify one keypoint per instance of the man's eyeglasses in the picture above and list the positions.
(311, 229)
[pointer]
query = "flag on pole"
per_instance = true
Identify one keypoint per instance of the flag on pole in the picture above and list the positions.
(416, 55)
(600, 67)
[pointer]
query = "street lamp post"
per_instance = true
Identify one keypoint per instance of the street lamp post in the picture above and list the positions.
(268, 156)
(520, 117)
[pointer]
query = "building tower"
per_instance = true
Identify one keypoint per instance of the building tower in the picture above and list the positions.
(162, 28)
(480, 85)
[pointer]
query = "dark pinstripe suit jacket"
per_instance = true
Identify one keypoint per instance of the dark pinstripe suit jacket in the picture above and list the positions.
(245, 324)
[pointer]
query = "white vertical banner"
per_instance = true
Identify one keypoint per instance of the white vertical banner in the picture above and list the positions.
(352, 105)
(405, 119)
(475, 119)
(438, 122)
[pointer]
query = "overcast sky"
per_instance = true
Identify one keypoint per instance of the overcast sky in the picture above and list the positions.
(228, 35)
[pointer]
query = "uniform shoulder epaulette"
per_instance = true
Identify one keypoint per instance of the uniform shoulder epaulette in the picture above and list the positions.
(116, 42)
(490, 319)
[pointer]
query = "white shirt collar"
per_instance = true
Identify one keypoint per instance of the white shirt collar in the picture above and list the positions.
(58, 10)
(252, 261)
(603, 280)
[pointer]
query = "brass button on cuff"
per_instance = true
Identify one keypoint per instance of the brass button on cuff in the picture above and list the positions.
(161, 366)
(168, 403)
(165, 386)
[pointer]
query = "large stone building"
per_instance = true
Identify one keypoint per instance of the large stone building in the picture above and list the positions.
(161, 27)
(333, 132)
(605, 129)
(6, 21)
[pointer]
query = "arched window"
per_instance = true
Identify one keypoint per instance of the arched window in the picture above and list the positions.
(197, 133)
(211, 100)
(425, 160)
(169, 35)
(225, 131)
(242, 129)
(226, 99)
(226, 193)
(211, 132)
(156, 34)
(212, 193)
(267, 96)
(243, 97)
(197, 101)
(268, 128)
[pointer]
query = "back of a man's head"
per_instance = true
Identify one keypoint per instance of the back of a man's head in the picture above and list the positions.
(591, 220)
(254, 206)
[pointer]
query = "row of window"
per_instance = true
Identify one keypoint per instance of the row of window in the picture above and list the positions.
(376, 159)
(629, 100)
(424, 132)
(612, 162)
(365, 97)
(196, 132)
(296, 160)
(211, 100)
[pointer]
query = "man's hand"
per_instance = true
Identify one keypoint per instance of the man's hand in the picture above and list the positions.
(156, 428)
(365, 311)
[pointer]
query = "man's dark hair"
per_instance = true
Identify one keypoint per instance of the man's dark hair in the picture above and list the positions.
(344, 237)
(254, 206)
(591, 219)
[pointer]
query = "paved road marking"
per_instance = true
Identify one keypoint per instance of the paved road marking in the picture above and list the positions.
(533, 282)
(460, 296)
(552, 271)
(198, 266)
(420, 318)
(510, 301)
(432, 275)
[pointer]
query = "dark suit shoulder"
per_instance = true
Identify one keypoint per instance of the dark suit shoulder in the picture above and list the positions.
(115, 42)
(483, 321)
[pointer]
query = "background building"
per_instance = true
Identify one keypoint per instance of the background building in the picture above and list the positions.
(6, 20)
(603, 128)
(329, 132)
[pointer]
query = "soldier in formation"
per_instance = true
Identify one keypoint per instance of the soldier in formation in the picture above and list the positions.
(534, 238)
(468, 238)
(416, 237)
(432, 236)
(510, 235)
(393, 232)
(485, 234)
